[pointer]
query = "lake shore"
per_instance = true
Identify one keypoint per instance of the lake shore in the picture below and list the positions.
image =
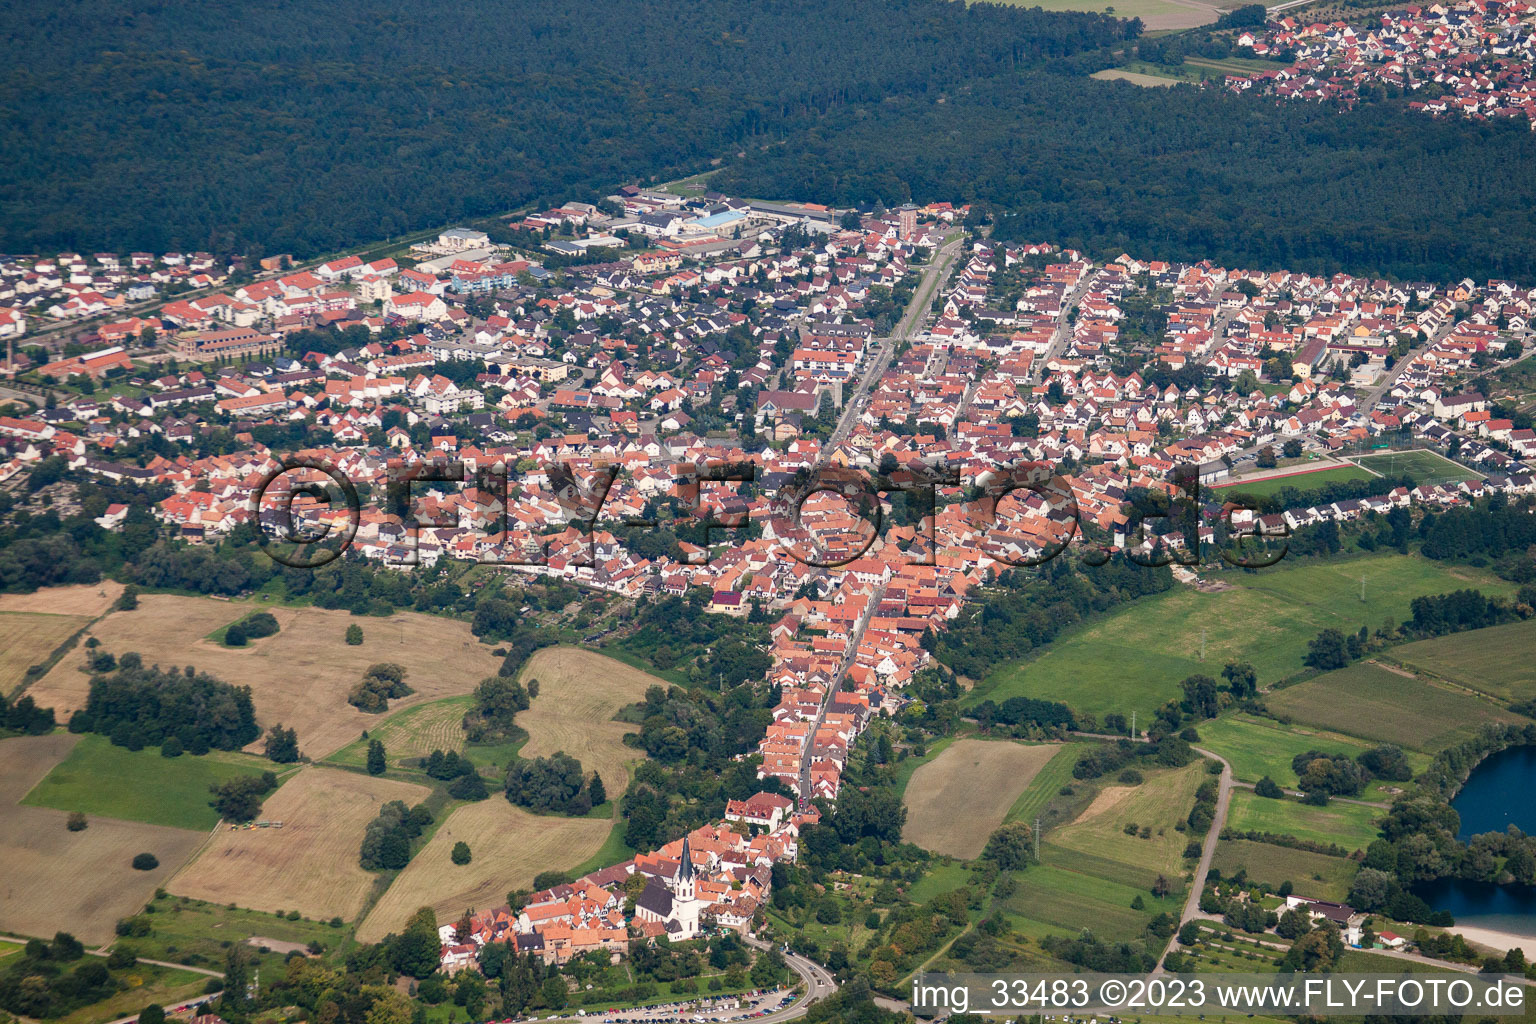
(1495, 939)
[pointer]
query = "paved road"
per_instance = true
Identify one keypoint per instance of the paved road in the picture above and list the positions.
(833, 687)
(1063, 329)
(933, 277)
(1207, 851)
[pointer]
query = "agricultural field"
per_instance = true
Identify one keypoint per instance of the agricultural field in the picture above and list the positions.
(1158, 804)
(1133, 658)
(301, 676)
(1301, 479)
(1425, 466)
(1496, 661)
(1047, 783)
(1351, 826)
(579, 693)
(955, 801)
(84, 599)
(1311, 874)
(1154, 14)
(411, 733)
(509, 846)
(1388, 706)
(115, 782)
(310, 864)
(1069, 901)
(53, 875)
(1134, 77)
(30, 637)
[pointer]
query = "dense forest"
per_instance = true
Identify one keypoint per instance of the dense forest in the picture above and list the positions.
(307, 126)
(1182, 173)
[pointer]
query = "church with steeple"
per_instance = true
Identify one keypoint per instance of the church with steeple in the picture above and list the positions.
(675, 904)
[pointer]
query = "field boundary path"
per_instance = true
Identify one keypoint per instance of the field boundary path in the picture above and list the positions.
(1207, 852)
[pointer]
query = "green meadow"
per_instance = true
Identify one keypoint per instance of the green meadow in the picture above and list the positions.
(115, 782)
(1132, 659)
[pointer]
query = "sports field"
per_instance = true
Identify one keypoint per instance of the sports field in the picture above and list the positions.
(301, 676)
(1425, 466)
(579, 693)
(1133, 658)
(955, 801)
(310, 864)
(1310, 874)
(1496, 661)
(509, 846)
(1351, 826)
(1156, 805)
(1300, 480)
(27, 639)
(52, 876)
(98, 778)
(1377, 703)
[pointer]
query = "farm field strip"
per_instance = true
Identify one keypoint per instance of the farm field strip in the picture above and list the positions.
(1376, 703)
(311, 863)
(1496, 661)
(1351, 826)
(53, 875)
(958, 799)
(301, 676)
(29, 638)
(579, 693)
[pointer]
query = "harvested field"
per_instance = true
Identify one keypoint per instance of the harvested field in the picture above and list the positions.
(412, 733)
(579, 693)
(88, 599)
(27, 639)
(509, 845)
(960, 797)
(301, 676)
(54, 876)
(310, 864)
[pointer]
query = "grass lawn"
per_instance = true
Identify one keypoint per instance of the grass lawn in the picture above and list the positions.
(7, 948)
(194, 932)
(1261, 746)
(1257, 747)
(1425, 466)
(115, 782)
(1376, 703)
(939, 879)
(1133, 658)
(147, 983)
(1073, 901)
(1349, 825)
(1158, 804)
(1311, 874)
(1302, 481)
(1495, 661)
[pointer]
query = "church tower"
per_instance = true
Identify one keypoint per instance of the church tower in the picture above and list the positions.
(685, 884)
